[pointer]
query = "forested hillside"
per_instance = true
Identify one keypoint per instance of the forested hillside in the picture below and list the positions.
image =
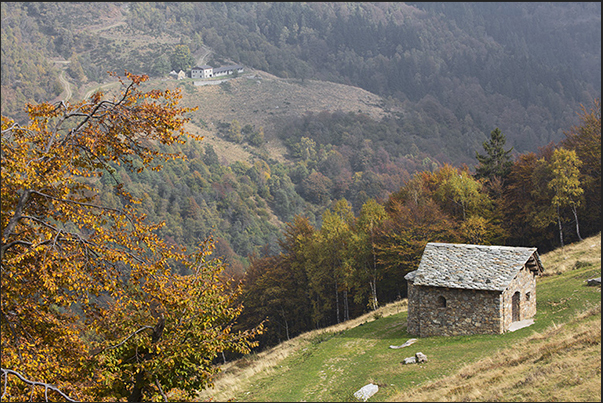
(522, 67)
(325, 230)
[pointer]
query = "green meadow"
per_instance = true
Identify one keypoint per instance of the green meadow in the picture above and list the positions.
(562, 348)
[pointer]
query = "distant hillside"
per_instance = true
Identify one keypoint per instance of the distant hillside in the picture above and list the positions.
(463, 69)
(556, 358)
(338, 100)
(263, 100)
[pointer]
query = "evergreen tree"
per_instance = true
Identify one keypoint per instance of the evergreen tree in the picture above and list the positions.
(497, 162)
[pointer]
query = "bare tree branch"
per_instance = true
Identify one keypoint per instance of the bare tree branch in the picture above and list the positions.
(165, 399)
(125, 340)
(79, 203)
(46, 386)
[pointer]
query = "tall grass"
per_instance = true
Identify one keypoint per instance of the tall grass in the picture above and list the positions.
(561, 364)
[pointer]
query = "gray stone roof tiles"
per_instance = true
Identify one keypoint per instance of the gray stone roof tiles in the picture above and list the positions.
(476, 267)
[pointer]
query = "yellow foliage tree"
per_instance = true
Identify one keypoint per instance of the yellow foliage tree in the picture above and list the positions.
(91, 308)
(565, 168)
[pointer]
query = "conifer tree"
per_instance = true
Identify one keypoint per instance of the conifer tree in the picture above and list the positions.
(497, 162)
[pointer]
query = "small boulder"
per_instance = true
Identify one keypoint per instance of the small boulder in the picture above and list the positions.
(420, 357)
(366, 391)
(593, 281)
(409, 360)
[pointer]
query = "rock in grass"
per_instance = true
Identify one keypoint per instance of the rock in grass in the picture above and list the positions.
(409, 360)
(366, 391)
(408, 343)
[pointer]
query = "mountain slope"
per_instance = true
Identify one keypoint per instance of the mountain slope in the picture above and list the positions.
(263, 100)
(558, 357)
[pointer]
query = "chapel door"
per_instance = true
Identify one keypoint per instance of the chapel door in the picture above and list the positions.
(515, 307)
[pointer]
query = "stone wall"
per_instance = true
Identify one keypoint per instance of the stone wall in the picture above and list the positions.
(439, 311)
(525, 284)
(452, 312)
(412, 322)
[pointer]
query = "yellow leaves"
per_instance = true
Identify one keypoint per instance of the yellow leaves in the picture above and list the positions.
(109, 263)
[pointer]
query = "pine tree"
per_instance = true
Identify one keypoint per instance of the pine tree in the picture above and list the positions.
(497, 162)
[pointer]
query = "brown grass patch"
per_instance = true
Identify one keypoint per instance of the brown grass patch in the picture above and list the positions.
(536, 369)
(263, 100)
(572, 256)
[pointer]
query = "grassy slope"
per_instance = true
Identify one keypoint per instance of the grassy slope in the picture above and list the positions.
(259, 99)
(262, 100)
(558, 358)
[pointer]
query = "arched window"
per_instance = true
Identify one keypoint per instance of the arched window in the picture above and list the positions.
(441, 302)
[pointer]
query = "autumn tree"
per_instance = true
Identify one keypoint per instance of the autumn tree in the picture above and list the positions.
(459, 193)
(90, 300)
(528, 212)
(275, 287)
(336, 232)
(413, 219)
(585, 140)
(372, 214)
(565, 168)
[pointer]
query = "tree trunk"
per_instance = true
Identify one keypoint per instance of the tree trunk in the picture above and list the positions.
(560, 228)
(139, 383)
(136, 395)
(337, 300)
(374, 282)
(373, 287)
(346, 307)
(286, 323)
(577, 226)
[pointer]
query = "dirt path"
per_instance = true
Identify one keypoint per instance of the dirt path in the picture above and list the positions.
(66, 85)
(204, 53)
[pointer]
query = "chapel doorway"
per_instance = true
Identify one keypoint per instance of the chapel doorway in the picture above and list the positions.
(515, 307)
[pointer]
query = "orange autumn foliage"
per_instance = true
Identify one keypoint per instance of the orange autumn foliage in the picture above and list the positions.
(90, 300)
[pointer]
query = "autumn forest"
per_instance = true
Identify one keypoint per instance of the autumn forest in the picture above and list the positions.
(136, 257)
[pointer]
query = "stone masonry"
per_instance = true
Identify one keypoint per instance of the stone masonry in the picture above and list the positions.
(469, 289)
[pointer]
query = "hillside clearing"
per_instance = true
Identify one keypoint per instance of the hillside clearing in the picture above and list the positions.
(262, 100)
(557, 358)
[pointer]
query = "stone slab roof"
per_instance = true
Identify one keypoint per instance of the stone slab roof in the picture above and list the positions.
(476, 267)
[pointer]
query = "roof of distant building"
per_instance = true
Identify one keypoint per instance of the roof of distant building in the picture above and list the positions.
(226, 68)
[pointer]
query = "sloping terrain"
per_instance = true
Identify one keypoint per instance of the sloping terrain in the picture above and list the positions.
(263, 100)
(556, 358)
